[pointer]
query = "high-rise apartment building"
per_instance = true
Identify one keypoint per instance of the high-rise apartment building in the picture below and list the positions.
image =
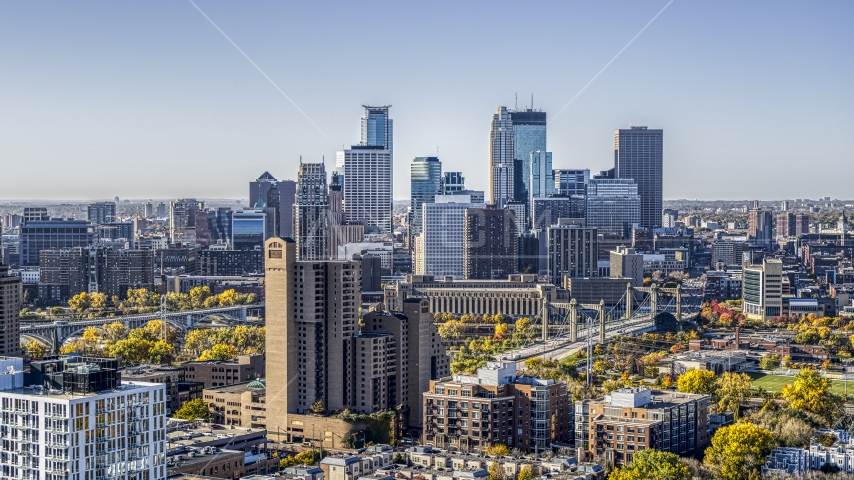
(802, 224)
(615, 427)
(149, 210)
(91, 425)
(38, 235)
(613, 206)
(161, 210)
(439, 247)
(727, 252)
(248, 229)
(573, 252)
(102, 212)
(453, 182)
(786, 226)
(762, 289)
(490, 243)
(426, 178)
(638, 155)
(311, 221)
(501, 159)
(368, 174)
(182, 220)
(67, 272)
(627, 263)
(571, 182)
(10, 307)
(545, 212)
(760, 228)
(497, 406)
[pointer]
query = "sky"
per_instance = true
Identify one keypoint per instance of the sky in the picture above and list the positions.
(149, 100)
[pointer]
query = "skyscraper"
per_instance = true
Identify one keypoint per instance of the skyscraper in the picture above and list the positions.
(273, 210)
(377, 128)
(501, 156)
(102, 212)
(453, 182)
(760, 226)
(248, 229)
(10, 308)
(182, 219)
(426, 178)
(287, 191)
(613, 206)
(258, 188)
(311, 223)
(638, 155)
(490, 243)
(541, 182)
(439, 246)
(529, 136)
(573, 252)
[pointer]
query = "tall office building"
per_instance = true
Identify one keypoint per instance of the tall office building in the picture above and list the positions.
(613, 206)
(10, 307)
(541, 181)
(273, 210)
(38, 235)
(453, 182)
(35, 213)
(377, 127)
(92, 424)
(529, 136)
(340, 232)
(490, 243)
(102, 212)
(439, 246)
(638, 155)
(248, 229)
(311, 223)
(573, 252)
(571, 182)
(786, 224)
(258, 191)
(182, 220)
(762, 289)
(369, 187)
(802, 224)
(426, 178)
(627, 263)
(214, 226)
(149, 210)
(545, 212)
(501, 155)
(67, 272)
(760, 228)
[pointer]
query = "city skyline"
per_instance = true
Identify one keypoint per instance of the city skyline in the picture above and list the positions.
(181, 96)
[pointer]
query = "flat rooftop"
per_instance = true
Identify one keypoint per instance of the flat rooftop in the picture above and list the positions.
(33, 391)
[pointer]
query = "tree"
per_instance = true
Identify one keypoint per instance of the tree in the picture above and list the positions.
(737, 450)
(161, 352)
(732, 390)
(786, 361)
(496, 472)
(54, 311)
(193, 409)
(793, 432)
(198, 295)
(130, 350)
(220, 351)
(769, 362)
(811, 392)
(501, 331)
(34, 350)
(498, 450)
(98, 300)
(317, 406)
(652, 464)
(79, 302)
(450, 330)
(526, 473)
(697, 381)
(113, 332)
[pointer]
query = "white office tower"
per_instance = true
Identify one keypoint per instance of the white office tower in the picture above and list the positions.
(311, 222)
(74, 419)
(501, 156)
(439, 247)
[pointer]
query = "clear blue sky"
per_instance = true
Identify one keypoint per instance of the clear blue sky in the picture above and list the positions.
(149, 100)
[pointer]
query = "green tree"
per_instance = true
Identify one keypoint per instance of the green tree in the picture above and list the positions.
(54, 311)
(652, 464)
(526, 473)
(769, 362)
(732, 390)
(811, 392)
(738, 450)
(193, 409)
(697, 381)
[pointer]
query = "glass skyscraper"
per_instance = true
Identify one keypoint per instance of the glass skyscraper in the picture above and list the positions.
(571, 182)
(453, 182)
(426, 177)
(248, 229)
(613, 206)
(377, 127)
(542, 181)
(529, 135)
(638, 156)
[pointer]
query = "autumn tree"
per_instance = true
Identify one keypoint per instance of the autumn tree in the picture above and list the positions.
(98, 300)
(526, 473)
(732, 390)
(34, 350)
(450, 330)
(652, 464)
(811, 392)
(130, 350)
(317, 406)
(697, 381)
(497, 450)
(738, 450)
(193, 409)
(113, 332)
(220, 351)
(79, 302)
(501, 331)
(89, 344)
(161, 352)
(54, 311)
(496, 471)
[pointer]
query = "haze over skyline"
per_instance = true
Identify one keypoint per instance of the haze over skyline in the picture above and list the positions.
(751, 97)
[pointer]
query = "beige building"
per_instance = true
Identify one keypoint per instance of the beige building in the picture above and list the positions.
(10, 308)
(218, 373)
(241, 405)
(519, 295)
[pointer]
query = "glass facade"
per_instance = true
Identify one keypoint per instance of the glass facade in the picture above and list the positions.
(426, 178)
(638, 155)
(529, 135)
(613, 206)
(453, 182)
(41, 235)
(542, 181)
(248, 228)
(571, 182)
(377, 127)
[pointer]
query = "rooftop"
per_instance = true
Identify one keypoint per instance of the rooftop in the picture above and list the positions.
(236, 388)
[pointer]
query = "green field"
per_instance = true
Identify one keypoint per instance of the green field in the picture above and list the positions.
(774, 383)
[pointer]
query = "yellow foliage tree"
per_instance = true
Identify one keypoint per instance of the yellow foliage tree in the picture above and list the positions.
(98, 300)
(731, 390)
(737, 451)
(219, 351)
(697, 381)
(811, 392)
(497, 450)
(79, 302)
(501, 331)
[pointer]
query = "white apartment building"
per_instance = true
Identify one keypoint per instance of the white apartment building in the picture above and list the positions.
(82, 431)
(439, 247)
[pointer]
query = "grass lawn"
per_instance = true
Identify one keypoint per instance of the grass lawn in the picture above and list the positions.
(774, 383)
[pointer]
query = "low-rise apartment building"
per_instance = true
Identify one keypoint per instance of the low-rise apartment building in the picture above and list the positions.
(218, 373)
(241, 405)
(497, 406)
(615, 427)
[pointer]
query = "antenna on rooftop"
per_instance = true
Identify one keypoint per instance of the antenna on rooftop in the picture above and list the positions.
(517, 100)
(532, 100)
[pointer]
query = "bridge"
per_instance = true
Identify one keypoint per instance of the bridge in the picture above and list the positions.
(569, 327)
(56, 333)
